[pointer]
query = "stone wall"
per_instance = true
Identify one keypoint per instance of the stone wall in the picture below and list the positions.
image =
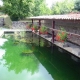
(19, 25)
(1, 21)
(69, 26)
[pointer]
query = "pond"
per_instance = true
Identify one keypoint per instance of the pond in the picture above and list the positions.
(25, 61)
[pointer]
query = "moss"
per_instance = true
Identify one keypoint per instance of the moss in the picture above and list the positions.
(23, 40)
(27, 52)
(16, 42)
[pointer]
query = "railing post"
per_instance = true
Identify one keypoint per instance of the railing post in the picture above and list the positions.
(32, 21)
(53, 26)
(39, 23)
(32, 32)
(39, 31)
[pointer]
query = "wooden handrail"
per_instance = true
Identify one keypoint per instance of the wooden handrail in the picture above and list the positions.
(66, 32)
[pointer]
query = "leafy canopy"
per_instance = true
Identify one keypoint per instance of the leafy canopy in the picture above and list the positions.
(18, 9)
(77, 5)
(63, 7)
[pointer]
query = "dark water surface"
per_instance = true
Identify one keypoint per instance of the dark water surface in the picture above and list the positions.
(39, 63)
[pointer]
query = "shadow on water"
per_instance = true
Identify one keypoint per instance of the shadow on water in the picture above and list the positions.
(59, 65)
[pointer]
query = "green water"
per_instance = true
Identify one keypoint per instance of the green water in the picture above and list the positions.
(39, 64)
(59, 65)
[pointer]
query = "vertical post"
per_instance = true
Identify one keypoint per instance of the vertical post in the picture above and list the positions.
(53, 26)
(32, 32)
(32, 21)
(39, 23)
(39, 31)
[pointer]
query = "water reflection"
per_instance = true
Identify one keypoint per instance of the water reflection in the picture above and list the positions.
(2, 41)
(14, 60)
(59, 65)
(45, 66)
(2, 52)
(21, 67)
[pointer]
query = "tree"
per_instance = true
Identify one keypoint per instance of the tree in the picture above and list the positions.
(63, 7)
(44, 9)
(77, 5)
(40, 8)
(18, 9)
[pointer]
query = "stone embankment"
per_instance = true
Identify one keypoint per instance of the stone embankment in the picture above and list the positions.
(19, 25)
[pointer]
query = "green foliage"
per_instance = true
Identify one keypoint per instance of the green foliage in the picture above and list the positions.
(18, 9)
(42, 43)
(63, 7)
(40, 8)
(43, 29)
(30, 25)
(7, 22)
(77, 5)
(62, 34)
(27, 52)
(1, 10)
(35, 27)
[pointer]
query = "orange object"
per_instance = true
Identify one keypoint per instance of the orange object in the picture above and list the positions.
(32, 28)
(57, 37)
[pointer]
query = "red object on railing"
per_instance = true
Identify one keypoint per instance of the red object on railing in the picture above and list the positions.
(58, 38)
(32, 28)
